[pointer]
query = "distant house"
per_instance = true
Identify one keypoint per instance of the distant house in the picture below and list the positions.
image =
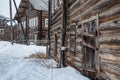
(5, 33)
(33, 14)
(86, 35)
(5, 29)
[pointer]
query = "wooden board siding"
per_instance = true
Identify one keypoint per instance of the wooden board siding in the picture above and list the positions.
(108, 12)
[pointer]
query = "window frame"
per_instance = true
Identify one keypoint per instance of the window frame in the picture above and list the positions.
(46, 22)
(74, 37)
(2, 31)
(95, 48)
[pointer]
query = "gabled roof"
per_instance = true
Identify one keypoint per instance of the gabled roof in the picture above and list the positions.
(21, 8)
(39, 4)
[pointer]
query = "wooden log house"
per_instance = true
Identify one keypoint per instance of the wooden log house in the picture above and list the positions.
(33, 14)
(5, 33)
(5, 29)
(91, 29)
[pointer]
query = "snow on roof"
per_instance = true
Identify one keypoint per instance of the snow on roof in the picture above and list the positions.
(40, 4)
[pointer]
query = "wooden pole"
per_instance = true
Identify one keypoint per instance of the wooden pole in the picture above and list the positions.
(11, 25)
(27, 23)
(49, 25)
(64, 23)
(26, 37)
(39, 25)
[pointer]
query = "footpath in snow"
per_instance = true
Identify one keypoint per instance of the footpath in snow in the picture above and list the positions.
(14, 66)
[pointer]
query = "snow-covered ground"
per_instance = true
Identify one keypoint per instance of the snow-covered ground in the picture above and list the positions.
(13, 65)
(18, 50)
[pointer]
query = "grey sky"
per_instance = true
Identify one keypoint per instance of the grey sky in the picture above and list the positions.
(4, 7)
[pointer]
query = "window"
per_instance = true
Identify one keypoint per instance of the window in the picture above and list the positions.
(29, 22)
(55, 4)
(33, 22)
(1, 31)
(24, 24)
(19, 25)
(36, 21)
(90, 43)
(73, 30)
(46, 22)
(72, 42)
(89, 27)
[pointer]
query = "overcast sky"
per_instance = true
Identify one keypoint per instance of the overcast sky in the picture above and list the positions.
(4, 7)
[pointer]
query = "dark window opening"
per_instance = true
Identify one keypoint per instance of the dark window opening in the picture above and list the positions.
(73, 37)
(89, 40)
(89, 27)
(89, 57)
(72, 42)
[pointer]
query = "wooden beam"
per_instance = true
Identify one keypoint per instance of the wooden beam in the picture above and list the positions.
(49, 26)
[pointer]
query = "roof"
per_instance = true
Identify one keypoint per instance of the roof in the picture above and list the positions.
(21, 8)
(39, 4)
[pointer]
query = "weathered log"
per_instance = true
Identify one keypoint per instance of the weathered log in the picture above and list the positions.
(110, 58)
(112, 71)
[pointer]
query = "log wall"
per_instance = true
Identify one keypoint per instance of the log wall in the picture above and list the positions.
(108, 12)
